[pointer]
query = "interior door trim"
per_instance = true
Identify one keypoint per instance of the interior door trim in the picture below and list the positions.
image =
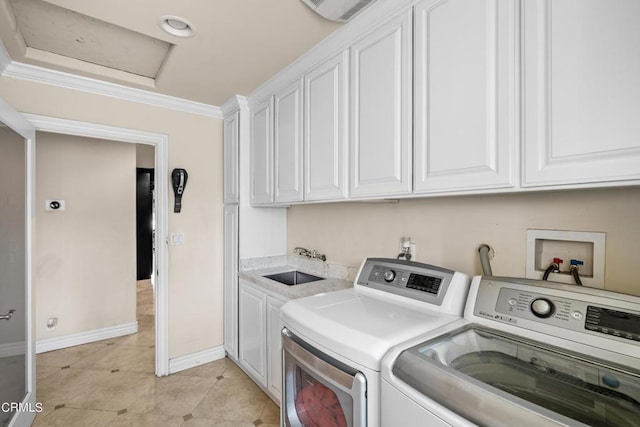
(161, 144)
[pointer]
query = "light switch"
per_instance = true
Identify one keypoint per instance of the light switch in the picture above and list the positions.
(177, 239)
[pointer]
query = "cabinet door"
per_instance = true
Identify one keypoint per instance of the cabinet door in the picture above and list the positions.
(230, 158)
(274, 343)
(381, 110)
(261, 153)
(253, 332)
(325, 132)
(581, 91)
(231, 281)
(465, 94)
(288, 144)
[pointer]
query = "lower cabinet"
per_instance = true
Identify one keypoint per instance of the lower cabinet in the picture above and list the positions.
(274, 347)
(231, 280)
(260, 353)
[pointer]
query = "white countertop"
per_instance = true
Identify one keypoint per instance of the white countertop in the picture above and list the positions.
(292, 292)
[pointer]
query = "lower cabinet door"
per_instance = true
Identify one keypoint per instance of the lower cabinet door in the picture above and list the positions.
(252, 325)
(274, 343)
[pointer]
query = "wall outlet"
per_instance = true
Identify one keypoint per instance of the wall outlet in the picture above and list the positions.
(52, 322)
(543, 246)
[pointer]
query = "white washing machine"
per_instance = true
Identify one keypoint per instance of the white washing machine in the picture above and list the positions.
(527, 353)
(333, 343)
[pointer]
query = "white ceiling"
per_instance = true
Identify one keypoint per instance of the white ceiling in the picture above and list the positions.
(238, 44)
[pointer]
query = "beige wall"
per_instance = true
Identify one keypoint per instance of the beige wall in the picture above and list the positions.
(84, 270)
(448, 230)
(195, 143)
(12, 236)
(145, 156)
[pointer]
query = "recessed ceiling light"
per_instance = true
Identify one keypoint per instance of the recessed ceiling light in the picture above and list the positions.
(177, 26)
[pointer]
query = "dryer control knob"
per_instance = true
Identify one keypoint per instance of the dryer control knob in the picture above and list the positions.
(389, 275)
(542, 307)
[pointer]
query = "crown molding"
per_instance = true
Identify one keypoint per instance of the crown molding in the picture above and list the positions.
(85, 84)
(234, 104)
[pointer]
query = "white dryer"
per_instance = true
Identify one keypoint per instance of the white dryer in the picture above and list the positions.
(333, 343)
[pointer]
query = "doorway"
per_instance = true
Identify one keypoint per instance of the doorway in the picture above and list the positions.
(160, 143)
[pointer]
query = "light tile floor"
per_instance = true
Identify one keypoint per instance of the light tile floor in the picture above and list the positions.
(111, 383)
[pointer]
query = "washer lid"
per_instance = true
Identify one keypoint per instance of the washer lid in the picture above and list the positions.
(358, 327)
(487, 376)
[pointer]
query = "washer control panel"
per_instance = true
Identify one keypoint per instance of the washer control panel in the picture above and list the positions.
(576, 313)
(422, 282)
(410, 279)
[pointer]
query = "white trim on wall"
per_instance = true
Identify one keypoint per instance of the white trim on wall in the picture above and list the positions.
(188, 361)
(161, 144)
(5, 60)
(86, 337)
(85, 84)
(12, 349)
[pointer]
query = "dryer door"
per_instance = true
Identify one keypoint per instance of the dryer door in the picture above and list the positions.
(318, 390)
(493, 378)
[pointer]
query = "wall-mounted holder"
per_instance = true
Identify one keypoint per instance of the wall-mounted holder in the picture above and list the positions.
(407, 249)
(544, 246)
(179, 182)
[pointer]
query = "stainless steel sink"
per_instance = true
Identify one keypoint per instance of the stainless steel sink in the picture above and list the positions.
(291, 278)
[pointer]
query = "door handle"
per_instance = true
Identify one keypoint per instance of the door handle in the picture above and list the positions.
(8, 315)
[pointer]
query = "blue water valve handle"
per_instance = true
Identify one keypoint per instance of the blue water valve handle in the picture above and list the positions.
(576, 262)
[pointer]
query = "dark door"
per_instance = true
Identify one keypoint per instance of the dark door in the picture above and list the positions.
(144, 215)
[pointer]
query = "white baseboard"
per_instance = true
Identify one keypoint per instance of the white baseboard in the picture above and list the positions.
(12, 349)
(71, 340)
(192, 360)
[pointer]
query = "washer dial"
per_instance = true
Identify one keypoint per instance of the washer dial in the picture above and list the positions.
(542, 307)
(389, 275)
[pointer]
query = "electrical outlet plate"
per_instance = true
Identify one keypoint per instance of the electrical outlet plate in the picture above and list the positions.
(177, 239)
(544, 245)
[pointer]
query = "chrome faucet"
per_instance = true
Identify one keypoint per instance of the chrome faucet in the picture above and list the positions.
(309, 254)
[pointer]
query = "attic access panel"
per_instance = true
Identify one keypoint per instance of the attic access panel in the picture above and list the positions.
(61, 31)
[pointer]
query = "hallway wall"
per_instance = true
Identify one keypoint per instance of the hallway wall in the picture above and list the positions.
(85, 256)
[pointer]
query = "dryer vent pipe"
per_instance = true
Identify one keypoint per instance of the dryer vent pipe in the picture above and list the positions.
(483, 250)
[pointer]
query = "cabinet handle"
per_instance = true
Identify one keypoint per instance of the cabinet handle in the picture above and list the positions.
(8, 315)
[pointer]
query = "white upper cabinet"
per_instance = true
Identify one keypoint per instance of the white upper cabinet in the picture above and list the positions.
(381, 106)
(261, 153)
(581, 91)
(325, 130)
(230, 158)
(465, 94)
(288, 144)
